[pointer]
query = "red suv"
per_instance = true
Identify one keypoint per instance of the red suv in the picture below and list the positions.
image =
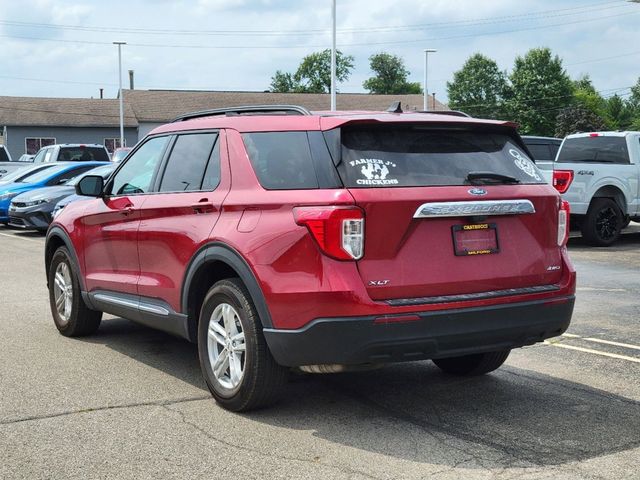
(278, 238)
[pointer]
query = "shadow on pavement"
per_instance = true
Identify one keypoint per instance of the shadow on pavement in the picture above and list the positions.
(414, 412)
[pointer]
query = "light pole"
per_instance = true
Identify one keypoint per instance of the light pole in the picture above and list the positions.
(333, 55)
(119, 44)
(427, 51)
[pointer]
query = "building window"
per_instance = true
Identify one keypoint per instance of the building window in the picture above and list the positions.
(111, 144)
(32, 145)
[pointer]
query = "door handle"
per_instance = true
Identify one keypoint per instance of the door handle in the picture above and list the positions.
(203, 206)
(128, 210)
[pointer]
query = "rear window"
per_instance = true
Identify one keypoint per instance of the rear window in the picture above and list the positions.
(416, 156)
(598, 149)
(82, 154)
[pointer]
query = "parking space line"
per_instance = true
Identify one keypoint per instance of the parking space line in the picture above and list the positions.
(21, 238)
(595, 352)
(600, 340)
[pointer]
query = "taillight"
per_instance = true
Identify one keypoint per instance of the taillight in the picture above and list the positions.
(563, 223)
(562, 179)
(338, 231)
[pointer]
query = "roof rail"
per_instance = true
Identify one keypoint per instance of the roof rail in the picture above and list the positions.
(452, 113)
(247, 110)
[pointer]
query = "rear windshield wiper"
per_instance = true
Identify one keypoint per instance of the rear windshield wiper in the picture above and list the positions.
(498, 177)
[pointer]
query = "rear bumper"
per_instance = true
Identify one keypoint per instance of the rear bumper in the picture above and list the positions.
(430, 334)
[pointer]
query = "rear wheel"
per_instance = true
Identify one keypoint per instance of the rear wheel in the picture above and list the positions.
(476, 364)
(235, 360)
(603, 222)
(71, 315)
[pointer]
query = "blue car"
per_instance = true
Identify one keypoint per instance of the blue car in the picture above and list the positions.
(59, 174)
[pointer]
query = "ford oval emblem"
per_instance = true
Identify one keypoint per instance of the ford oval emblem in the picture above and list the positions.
(477, 191)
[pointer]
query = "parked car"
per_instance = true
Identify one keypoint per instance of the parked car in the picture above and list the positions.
(276, 238)
(24, 173)
(542, 149)
(69, 152)
(33, 210)
(598, 173)
(120, 153)
(58, 174)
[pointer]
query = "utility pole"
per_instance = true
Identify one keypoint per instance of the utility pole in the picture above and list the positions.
(333, 55)
(119, 44)
(427, 51)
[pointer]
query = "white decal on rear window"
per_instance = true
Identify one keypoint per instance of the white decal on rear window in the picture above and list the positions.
(524, 164)
(375, 171)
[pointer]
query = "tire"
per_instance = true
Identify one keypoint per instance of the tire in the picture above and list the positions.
(470, 365)
(625, 222)
(250, 378)
(73, 318)
(603, 222)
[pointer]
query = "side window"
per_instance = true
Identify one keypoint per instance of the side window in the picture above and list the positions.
(68, 175)
(281, 160)
(212, 173)
(185, 169)
(136, 174)
(47, 155)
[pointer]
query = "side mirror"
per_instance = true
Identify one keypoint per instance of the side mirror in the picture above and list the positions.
(90, 186)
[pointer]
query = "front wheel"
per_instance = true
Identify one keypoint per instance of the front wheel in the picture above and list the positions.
(71, 315)
(235, 360)
(603, 222)
(476, 364)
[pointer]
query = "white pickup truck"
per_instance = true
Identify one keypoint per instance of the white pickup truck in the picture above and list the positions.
(599, 175)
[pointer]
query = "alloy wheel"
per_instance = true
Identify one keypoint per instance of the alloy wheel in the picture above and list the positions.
(63, 291)
(226, 346)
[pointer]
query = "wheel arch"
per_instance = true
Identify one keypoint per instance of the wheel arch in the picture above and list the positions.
(56, 238)
(211, 263)
(613, 192)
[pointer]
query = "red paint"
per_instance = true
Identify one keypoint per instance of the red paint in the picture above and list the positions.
(144, 243)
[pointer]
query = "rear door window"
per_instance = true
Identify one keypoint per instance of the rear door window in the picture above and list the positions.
(185, 170)
(597, 149)
(281, 160)
(412, 156)
(540, 151)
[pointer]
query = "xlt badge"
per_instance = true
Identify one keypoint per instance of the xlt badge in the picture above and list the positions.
(378, 283)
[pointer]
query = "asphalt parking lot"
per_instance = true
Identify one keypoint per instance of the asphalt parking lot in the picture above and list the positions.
(129, 402)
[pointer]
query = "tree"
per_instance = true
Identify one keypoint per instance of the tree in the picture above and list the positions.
(585, 94)
(577, 118)
(540, 88)
(619, 115)
(391, 76)
(478, 88)
(313, 74)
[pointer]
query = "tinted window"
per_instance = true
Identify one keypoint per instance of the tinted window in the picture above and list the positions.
(4, 157)
(187, 163)
(82, 154)
(540, 152)
(136, 173)
(414, 156)
(42, 175)
(599, 149)
(68, 175)
(212, 174)
(281, 160)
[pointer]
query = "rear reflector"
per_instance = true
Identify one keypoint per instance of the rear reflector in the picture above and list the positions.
(338, 231)
(562, 180)
(396, 319)
(563, 223)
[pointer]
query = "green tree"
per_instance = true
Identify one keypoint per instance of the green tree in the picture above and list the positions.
(478, 88)
(313, 74)
(540, 88)
(585, 95)
(391, 76)
(618, 113)
(577, 118)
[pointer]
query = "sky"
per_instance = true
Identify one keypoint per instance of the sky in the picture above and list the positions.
(63, 48)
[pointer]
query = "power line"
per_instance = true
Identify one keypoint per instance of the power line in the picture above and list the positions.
(590, 8)
(288, 46)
